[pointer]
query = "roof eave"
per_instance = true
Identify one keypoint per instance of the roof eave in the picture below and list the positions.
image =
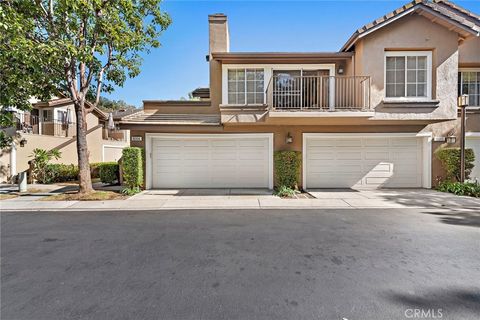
(247, 57)
(419, 6)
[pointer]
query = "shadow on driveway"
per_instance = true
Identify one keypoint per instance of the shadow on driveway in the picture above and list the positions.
(449, 300)
(459, 218)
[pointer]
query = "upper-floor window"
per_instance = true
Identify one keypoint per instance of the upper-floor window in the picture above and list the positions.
(469, 83)
(408, 75)
(245, 86)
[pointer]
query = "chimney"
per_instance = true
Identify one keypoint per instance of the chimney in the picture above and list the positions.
(218, 33)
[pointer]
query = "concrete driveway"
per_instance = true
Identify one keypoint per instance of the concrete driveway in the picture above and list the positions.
(257, 199)
(240, 264)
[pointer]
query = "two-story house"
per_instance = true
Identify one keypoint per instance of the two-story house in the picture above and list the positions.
(51, 125)
(368, 116)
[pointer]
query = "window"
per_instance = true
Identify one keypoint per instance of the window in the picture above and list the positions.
(62, 116)
(47, 115)
(245, 86)
(469, 83)
(408, 75)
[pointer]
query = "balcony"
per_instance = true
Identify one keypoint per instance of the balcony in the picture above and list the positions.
(31, 124)
(114, 135)
(290, 92)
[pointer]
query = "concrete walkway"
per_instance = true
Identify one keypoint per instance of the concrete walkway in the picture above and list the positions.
(256, 199)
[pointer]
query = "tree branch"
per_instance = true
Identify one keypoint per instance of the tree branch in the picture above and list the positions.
(100, 75)
(51, 8)
(39, 3)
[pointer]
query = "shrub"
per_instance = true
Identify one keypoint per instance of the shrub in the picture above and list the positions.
(287, 169)
(132, 169)
(95, 170)
(461, 189)
(60, 173)
(41, 159)
(285, 192)
(108, 172)
(450, 159)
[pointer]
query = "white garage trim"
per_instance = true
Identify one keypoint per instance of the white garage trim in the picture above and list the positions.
(473, 141)
(149, 137)
(109, 146)
(426, 150)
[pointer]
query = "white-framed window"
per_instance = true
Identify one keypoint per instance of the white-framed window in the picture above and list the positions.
(246, 86)
(469, 83)
(408, 75)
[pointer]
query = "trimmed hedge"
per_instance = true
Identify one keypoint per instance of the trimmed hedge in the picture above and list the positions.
(287, 168)
(132, 169)
(60, 173)
(460, 189)
(108, 172)
(95, 170)
(450, 159)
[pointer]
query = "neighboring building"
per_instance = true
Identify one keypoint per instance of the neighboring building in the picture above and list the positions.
(368, 116)
(51, 125)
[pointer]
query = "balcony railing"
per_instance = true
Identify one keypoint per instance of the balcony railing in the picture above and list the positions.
(115, 134)
(32, 125)
(321, 93)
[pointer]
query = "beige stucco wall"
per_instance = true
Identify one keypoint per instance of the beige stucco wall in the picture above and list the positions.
(469, 52)
(412, 33)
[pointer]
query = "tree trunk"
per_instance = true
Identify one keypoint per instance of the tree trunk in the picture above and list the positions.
(84, 178)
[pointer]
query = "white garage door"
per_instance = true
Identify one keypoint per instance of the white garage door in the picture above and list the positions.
(213, 161)
(474, 143)
(363, 162)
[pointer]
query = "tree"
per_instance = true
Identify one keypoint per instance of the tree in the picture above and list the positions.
(108, 105)
(80, 48)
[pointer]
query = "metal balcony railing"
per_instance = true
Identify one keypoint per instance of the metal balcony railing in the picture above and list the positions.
(31, 124)
(328, 93)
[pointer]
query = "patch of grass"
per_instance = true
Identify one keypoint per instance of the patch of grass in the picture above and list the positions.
(285, 192)
(7, 196)
(37, 190)
(93, 196)
(460, 189)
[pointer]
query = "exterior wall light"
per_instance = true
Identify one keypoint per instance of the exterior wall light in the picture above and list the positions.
(289, 138)
(451, 139)
(340, 70)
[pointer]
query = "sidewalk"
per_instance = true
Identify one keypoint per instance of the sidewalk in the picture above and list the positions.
(255, 199)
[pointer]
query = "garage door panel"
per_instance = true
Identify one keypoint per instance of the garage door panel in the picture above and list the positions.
(376, 155)
(253, 143)
(367, 162)
(398, 142)
(327, 155)
(347, 143)
(377, 142)
(210, 162)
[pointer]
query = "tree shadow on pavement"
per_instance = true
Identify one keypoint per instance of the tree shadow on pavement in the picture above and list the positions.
(450, 301)
(459, 218)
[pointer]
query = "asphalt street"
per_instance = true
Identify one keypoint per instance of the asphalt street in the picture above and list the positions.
(240, 264)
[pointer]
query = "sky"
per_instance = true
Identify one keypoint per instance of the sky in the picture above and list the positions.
(179, 65)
